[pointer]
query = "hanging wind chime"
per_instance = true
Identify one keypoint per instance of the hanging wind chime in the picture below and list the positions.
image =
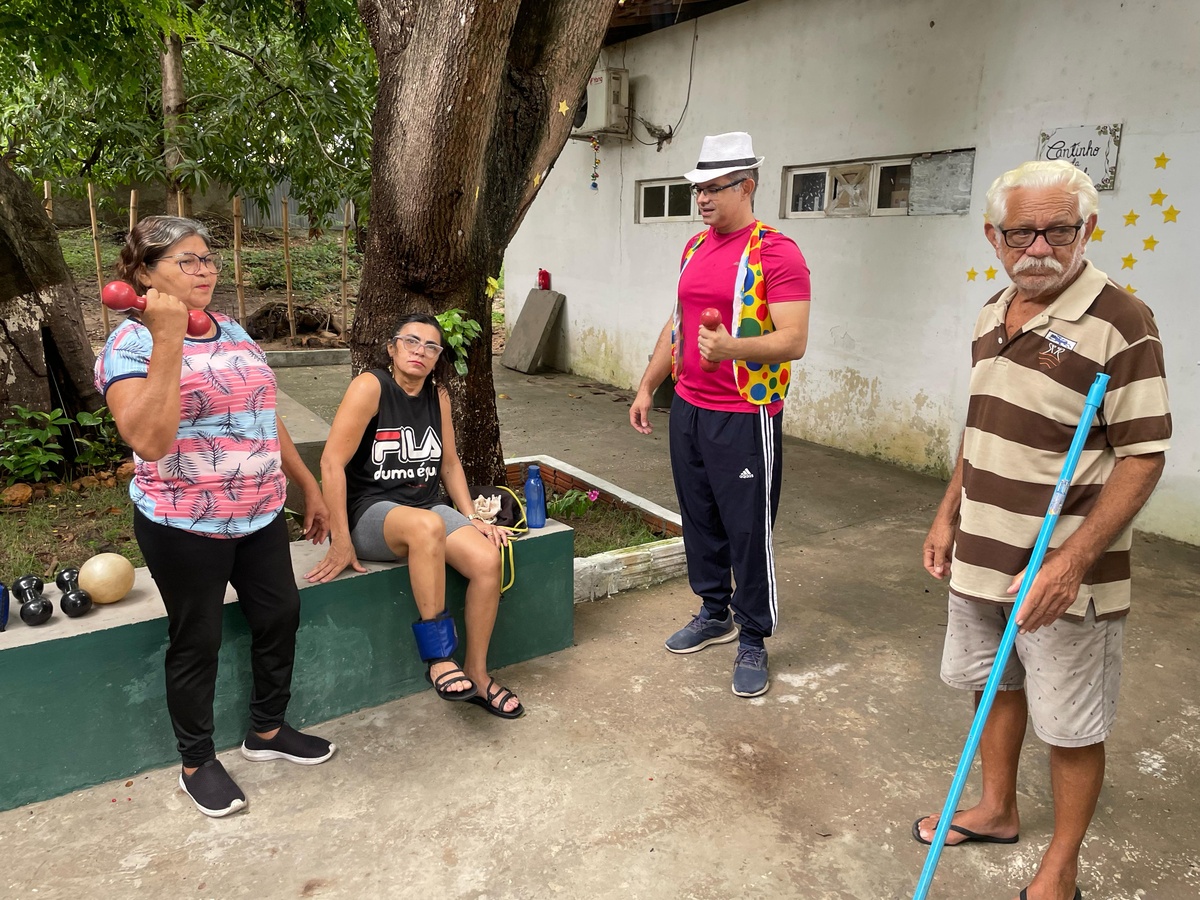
(595, 162)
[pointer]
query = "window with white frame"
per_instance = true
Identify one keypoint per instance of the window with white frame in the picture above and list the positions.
(666, 201)
(892, 182)
(806, 192)
(880, 187)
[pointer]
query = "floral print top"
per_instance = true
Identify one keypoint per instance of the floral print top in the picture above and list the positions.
(223, 476)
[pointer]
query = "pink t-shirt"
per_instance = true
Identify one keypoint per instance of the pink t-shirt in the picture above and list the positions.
(708, 280)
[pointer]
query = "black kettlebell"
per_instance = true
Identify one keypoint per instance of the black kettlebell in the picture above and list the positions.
(35, 609)
(74, 601)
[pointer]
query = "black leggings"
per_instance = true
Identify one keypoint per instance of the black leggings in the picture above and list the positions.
(191, 572)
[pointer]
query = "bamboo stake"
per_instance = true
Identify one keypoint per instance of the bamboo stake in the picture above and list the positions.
(133, 214)
(287, 270)
(48, 203)
(347, 212)
(96, 247)
(180, 204)
(237, 258)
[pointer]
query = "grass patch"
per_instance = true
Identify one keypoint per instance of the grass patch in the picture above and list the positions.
(67, 530)
(316, 265)
(602, 527)
(77, 251)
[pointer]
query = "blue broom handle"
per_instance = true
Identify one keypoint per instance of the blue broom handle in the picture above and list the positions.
(1095, 397)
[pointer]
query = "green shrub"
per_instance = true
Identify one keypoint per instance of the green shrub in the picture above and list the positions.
(572, 503)
(459, 331)
(99, 447)
(32, 450)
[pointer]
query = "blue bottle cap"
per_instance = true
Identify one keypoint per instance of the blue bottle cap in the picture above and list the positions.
(534, 470)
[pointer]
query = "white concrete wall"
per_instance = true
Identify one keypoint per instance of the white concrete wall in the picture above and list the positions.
(818, 81)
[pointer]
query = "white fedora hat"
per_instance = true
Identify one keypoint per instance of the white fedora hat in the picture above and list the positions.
(721, 154)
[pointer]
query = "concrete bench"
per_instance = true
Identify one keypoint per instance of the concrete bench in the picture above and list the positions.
(83, 701)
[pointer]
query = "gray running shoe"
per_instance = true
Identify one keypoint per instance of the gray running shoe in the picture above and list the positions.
(700, 633)
(750, 676)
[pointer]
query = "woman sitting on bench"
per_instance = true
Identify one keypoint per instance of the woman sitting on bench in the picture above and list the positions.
(390, 452)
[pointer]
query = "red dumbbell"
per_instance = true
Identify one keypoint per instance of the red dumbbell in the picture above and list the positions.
(120, 297)
(710, 318)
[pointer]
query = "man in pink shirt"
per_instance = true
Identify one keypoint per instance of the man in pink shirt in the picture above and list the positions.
(726, 424)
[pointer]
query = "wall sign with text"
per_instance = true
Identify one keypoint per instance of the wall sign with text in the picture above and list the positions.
(1092, 148)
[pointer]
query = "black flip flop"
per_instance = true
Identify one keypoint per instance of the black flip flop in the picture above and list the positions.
(971, 836)
(1022, 895)
(454, 676)
(502, 694)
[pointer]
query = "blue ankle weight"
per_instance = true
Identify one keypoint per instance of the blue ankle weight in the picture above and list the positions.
(436, 638)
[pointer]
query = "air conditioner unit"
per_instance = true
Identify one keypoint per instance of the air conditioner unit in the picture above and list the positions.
(605, 105)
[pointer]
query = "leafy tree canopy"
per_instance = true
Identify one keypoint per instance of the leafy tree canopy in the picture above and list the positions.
(276, 89)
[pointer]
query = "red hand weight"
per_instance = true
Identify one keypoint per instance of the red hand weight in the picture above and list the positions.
(710, 319)
(120, 297)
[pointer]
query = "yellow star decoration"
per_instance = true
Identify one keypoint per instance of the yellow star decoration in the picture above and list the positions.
(1149, 243)
(1098, 235)
(1128, 262)
(1170, 214)
(971, 273)
(990, 272)
(562, 107)
(1130, 218)
(1157, 198)
(1160, 161)
(1131, 288)
(537, 179)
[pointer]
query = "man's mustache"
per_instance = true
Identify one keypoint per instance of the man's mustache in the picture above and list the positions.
(1046, 262)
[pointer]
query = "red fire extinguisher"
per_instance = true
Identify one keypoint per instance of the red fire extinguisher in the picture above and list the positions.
(543, 280)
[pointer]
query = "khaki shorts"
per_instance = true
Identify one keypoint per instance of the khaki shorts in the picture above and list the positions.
(1070, 670)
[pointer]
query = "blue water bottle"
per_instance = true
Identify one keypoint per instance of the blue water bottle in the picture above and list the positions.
(3, 607)
(535, 498)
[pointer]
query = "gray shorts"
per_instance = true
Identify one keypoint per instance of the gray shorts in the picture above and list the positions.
(1070, 670)
(367, 535)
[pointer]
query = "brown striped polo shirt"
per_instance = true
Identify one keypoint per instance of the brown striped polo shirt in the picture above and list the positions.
(1027, 395)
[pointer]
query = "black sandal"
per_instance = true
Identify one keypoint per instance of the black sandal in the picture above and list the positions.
(498, 692)
(446, 679)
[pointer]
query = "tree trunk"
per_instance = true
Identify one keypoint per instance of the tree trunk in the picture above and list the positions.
(466, 126)
(174, 105)
(45, 358)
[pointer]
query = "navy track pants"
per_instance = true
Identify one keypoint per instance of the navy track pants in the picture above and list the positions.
(727, 468)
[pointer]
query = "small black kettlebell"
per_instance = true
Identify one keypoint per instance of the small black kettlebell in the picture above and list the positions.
(35, 609)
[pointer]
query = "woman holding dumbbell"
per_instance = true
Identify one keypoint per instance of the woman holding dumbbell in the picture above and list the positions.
(211, 458)
(389, 463)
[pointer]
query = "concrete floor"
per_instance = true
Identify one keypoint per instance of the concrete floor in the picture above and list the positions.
(636, 773)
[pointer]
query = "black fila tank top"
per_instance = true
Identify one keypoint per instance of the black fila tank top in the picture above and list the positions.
(400, 455)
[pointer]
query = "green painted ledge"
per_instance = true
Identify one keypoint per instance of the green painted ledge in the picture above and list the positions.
(82, 701)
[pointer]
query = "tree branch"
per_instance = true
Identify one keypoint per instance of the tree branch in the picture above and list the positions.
(283, 88)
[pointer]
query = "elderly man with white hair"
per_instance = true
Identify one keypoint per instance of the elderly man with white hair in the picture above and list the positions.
(1036, 349)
